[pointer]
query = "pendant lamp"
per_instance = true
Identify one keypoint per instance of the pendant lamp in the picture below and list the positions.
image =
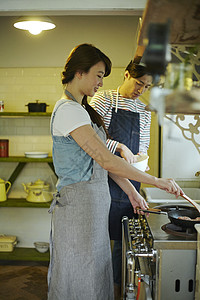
(34, 25)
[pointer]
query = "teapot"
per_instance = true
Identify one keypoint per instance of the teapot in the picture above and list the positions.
(37, 191)
(3, 189)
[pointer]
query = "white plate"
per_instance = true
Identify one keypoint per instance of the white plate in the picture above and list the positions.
(36, 154)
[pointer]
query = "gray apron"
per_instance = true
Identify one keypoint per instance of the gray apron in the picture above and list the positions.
(80, 266)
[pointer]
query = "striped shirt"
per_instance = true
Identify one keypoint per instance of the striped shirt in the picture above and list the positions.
(104, 101)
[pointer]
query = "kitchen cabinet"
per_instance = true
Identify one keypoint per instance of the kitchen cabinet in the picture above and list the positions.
(25, 253)
(22, 160)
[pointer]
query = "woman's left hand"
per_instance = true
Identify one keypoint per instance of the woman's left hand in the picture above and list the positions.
(137, 201)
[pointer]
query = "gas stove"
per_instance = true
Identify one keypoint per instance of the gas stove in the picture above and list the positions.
(163, 257)
(189, 233)
(165, 233)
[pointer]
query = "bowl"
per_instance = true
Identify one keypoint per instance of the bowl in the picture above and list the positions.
(41, 247)
(141, 163)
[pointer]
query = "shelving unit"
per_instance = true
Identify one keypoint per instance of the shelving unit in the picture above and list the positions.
(22, 161)
(25, 159)
(25, 254)
(25, 114)
(19, 202)
(22, 253)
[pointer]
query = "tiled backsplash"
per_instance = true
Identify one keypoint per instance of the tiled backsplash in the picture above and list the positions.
(18, 87)
(26, 134)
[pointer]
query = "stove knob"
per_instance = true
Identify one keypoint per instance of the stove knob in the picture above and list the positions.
(140, 235)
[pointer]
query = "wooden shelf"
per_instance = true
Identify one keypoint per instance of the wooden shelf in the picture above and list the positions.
(25, 114)
(20, 202)
(25, 254)
(25, 159)
(22, 161)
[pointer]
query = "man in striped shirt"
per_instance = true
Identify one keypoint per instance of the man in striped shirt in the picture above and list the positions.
(128, 124)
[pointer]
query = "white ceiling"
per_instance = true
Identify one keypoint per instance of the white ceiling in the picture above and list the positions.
(68, 7)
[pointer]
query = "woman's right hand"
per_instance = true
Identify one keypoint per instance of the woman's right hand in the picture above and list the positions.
(169, 185)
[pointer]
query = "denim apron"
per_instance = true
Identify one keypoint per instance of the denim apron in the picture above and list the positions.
(80, 265)
(124, 128)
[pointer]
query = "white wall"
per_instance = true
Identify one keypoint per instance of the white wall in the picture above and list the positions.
(29, 225)
(114, 35)
(180, 158)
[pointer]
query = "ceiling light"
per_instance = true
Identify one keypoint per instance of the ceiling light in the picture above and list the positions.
(34, 25)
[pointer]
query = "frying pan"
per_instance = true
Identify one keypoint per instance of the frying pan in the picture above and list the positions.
(174, 215)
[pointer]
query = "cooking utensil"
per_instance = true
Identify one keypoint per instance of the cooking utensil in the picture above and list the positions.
(37, 191)
(3, 189)
(174, 215)
(197, 206)
(153, 211)
(36, 106)
(41, 247)
(7, 242)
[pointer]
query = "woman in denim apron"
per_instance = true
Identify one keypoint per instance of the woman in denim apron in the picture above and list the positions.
(80, 256)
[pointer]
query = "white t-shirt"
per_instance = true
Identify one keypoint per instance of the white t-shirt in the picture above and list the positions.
(68, 117)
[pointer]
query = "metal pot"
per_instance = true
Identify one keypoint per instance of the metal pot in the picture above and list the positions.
(36, 106)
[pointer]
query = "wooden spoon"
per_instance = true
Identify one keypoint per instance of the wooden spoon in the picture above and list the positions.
(197, 206)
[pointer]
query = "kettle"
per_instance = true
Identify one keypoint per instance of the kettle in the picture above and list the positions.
(3, 189)
(37, 191)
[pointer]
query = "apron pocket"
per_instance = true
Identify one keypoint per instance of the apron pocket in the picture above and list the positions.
(67, 195)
